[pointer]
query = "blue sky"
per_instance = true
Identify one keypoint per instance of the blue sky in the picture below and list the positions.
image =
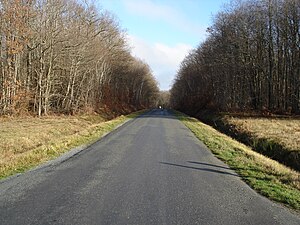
(162, 32)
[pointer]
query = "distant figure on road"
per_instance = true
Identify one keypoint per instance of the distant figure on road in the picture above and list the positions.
(159, 107)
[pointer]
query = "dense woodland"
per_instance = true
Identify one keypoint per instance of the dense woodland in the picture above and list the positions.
(64, 56)
(250, 61)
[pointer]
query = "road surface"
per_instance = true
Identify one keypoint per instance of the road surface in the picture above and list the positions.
(152, 170)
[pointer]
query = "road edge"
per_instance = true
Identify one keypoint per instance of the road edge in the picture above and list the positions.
(72, 152)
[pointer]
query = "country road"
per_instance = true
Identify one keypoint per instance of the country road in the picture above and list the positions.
(152, 170)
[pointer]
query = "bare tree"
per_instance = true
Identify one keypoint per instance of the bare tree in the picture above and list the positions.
(66, 56)
(250, 61)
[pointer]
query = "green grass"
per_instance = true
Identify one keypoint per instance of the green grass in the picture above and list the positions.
(28, 142)
(266, 176)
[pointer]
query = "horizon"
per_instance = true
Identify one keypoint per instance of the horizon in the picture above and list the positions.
(162, 33)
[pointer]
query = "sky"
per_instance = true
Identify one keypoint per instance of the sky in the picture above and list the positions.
(162, 32)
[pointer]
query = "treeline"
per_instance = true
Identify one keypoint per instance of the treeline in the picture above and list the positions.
(250, 61)
(64, 56)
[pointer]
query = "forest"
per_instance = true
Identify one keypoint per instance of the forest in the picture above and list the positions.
(67, 56)
(249, 62)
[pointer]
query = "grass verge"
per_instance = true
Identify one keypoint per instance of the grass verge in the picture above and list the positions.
(277, 138)
(266, 176)
(26, 143)
(285, 131)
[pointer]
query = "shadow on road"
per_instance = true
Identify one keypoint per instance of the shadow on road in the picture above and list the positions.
(164, 113)
(159, 113)
(207, 164)
(201, 169)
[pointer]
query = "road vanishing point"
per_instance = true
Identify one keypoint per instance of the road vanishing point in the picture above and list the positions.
(151, 170)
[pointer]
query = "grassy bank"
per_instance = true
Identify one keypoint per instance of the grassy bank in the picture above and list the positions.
(278, 138)
(28, 142)
(285, 131)
(265, 175)
(275, 137)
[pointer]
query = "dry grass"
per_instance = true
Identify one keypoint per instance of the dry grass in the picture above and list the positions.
(27, 142)
(265, 175)
(21, 135)
(283, 131)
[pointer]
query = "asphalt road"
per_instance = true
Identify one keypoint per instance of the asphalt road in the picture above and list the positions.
(152, 170)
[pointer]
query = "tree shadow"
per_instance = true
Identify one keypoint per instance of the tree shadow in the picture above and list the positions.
(201, 169)
(159, 113)
(207, 164)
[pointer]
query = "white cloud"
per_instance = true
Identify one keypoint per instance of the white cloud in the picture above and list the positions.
(163, 59)
(150, 9)
(160, 12)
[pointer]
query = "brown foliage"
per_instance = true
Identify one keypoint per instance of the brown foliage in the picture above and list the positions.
(62, 56)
